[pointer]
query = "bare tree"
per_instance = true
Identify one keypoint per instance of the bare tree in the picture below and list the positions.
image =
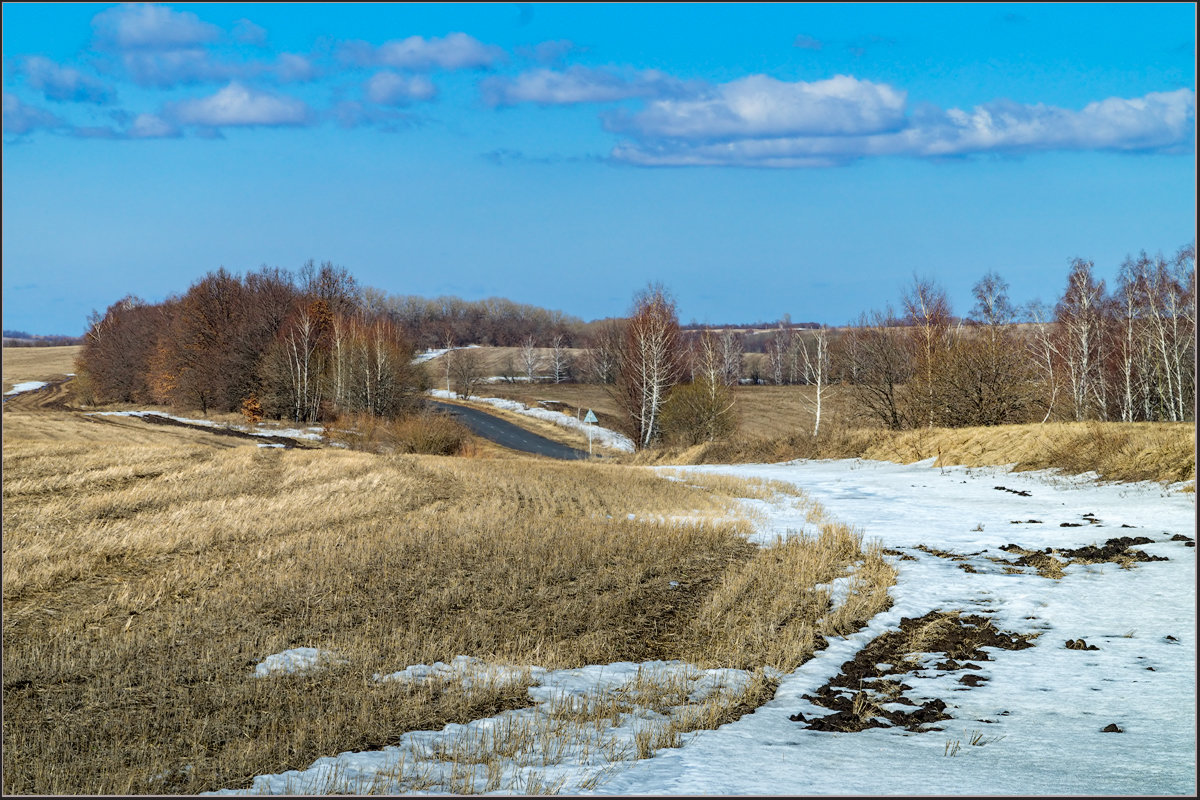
(1042, 349)
(883, 365)
(603, 356)
(779, 347)
(1079, 321)
(816, 371)
(732, 350)
(985, 378)
(559, 359)
(530, 360)
(465, 368)
(651, 362)
(928, 312)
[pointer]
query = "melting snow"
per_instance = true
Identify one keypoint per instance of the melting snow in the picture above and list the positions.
(27, 386)
(298, 659)
(1040, 714)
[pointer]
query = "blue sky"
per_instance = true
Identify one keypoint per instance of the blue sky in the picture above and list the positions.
(759, 160)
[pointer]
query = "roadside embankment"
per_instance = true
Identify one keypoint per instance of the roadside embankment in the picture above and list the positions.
(1116, 451)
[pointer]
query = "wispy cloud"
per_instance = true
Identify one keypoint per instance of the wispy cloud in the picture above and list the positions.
(248, 32)
(805, 42)
(453, 51)
(760, 106)
(295, 68)
(21, 118)
(238, 105)
(353, 114)
(164, 69)
(552, 52)
(576, 85)
(64, 84)
(147, 26)
(859, 47)
(1156, 122)
(392, 89)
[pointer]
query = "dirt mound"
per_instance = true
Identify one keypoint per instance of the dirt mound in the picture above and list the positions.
(1050, 562)
(860, 694)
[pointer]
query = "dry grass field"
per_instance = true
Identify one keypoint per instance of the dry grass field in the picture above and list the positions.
(1136, 451)
(147, 570)
(37, 363)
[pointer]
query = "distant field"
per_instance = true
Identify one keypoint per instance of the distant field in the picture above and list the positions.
(37, 363)
(763, 411)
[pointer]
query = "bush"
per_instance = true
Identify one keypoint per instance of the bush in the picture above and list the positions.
(426, 433)
(698, 412)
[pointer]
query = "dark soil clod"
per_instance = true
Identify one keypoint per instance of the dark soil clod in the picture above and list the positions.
(1080, 644)
(1111, 728)
(863, 694)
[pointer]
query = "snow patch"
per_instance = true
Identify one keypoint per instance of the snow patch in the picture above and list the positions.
(298, 659)
(27, 386)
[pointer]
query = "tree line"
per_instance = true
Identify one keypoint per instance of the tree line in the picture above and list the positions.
(1126, 355)
(305, 348)
(311, 346)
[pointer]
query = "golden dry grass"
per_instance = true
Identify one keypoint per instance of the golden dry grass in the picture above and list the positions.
(763, 411)
(37, 363)
(502, 361)
(1136, 451)
(146, 571)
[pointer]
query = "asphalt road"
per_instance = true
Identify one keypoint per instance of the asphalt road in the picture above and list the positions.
(508, 435)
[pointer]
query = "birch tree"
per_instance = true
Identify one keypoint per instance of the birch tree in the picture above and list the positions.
(928, 312)
(531, 361)
(816, 371)
(651, 362)
(1078, 319)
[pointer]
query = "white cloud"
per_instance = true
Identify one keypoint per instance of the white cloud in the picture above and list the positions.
(21, 118)
(390, 89)
(294, 68)
(164, 69)
(1157, 122)
(453, 51)
(240, 105)
(64, 84)
(759, 106)
(149, 126)
(576, 85)
(147, 26)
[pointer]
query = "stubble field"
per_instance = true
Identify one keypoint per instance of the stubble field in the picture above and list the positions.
(147, 571)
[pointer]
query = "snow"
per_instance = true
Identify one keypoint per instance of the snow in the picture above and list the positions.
(429, 355)
(603, 436)
(1038, 718)
(298, 659)
(27, 386)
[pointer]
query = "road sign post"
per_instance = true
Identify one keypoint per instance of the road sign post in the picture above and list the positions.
(591, 420)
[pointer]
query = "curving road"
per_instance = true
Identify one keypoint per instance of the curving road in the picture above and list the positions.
(508, 435)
